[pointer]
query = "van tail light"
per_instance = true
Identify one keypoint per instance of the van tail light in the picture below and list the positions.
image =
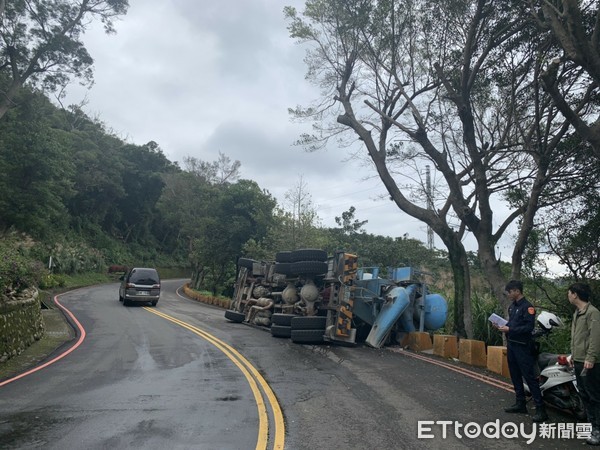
(562, 360)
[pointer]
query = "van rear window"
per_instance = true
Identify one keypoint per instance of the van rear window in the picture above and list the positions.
(144, 276)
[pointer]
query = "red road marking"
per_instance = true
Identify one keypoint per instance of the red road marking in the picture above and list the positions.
(477, 376)
(469, 373)
(82, 335)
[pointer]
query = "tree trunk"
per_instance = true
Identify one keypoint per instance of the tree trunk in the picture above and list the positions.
(456, 251)
(463, 317)
(491, 268)
(7, 99)
(197, 278)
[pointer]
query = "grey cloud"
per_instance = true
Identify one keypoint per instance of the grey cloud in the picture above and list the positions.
(203, 77)
(245, 33)
(269, 149)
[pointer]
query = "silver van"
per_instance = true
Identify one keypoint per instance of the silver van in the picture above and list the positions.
(140, 285)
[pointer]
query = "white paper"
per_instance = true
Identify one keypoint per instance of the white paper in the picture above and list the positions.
(497, 320)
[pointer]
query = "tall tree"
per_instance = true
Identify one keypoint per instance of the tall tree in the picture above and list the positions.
(575, 27)
(349, 224)
(237, 213)
(40, 42)
(450, 84)
(573, 229)
(221, 171)
(304, 218)
(143, 169)
(214, 216)
(36, 171)
(98, 180)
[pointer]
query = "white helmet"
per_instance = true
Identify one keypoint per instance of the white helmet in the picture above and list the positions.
(548, 320)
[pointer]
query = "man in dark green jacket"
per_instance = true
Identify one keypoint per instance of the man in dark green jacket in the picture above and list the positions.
(585, 353)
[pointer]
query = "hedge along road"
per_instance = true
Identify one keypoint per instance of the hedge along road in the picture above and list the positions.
(140, 380)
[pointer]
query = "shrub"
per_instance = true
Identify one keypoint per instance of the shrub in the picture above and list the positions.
(17, 270)
(482, 306)
(51, 280)
(76, 257)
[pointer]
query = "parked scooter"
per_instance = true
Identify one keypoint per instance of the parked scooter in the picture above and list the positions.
(557, 380)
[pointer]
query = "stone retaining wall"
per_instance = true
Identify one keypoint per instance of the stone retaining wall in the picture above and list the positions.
(21, 324)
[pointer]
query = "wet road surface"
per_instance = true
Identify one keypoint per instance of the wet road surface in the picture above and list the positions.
(139, 380)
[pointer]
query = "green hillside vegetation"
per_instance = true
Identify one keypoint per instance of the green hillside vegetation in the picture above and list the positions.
(507, 121)
(74, 192)
(76, 195)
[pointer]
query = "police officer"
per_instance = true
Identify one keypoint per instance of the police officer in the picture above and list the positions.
(520, 351)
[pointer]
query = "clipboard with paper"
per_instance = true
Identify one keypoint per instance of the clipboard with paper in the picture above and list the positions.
(497, 320)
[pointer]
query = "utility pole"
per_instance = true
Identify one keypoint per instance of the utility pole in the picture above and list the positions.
(429, 205)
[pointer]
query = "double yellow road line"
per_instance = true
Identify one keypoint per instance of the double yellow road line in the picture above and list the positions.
(256, 381)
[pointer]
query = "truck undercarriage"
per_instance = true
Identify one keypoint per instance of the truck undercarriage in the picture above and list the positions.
(313, 298)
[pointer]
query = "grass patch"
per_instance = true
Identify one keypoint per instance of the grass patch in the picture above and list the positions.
(57, 332)
(88, 279)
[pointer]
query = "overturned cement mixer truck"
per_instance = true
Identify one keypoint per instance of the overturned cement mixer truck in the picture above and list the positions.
(313, 298)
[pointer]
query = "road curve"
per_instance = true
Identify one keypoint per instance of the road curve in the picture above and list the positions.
(152, 378)
(135, 380)
(263, 394)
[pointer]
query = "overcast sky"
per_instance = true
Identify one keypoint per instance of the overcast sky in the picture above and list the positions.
(201, 78)
(210, 77)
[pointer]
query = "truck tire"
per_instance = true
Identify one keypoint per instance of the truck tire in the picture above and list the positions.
(307, 336)
(309, 267)
(281, 331)
(309, 254)
(234, 316)
(283, 257)
(309, 323)
(246, 262)
(284, 268)
(282, 319)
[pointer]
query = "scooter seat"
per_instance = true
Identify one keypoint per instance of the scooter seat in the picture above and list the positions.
(546, 359)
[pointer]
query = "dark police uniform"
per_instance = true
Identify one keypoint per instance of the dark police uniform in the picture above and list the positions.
(520, 354)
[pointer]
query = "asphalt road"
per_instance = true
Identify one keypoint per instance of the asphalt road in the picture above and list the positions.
(181, 376)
